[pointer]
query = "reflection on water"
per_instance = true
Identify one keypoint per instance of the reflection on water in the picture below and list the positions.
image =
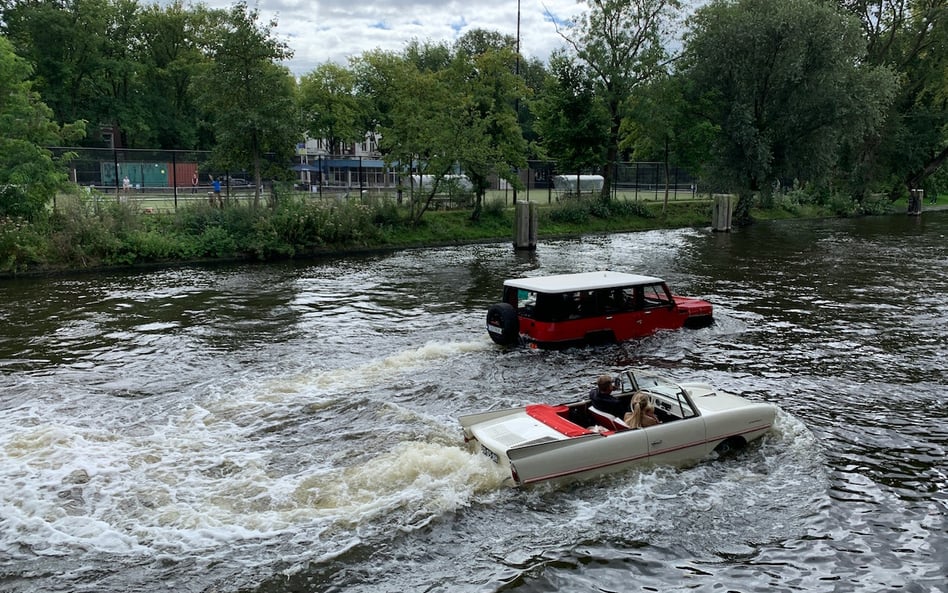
(293, 427)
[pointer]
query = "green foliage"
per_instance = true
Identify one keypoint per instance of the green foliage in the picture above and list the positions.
(572, 120)
(494, 208)
(249, 97)
(620, 43)
(786, 85)
(908, 36)
(579, 211)
(572, 211)
(28, 172)
(386, 214)
(21, 245)
(331, 110)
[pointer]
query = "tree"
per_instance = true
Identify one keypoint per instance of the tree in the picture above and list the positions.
(441, 112)
(123, 68)
(573, 121)
(171, 56)
(249, 97)
(491, 141)
(662, 124)
(786, 85)
(29, 175)
(62, 40)
(330, 108)
(420, 131)
(621, 42)
(909, 37)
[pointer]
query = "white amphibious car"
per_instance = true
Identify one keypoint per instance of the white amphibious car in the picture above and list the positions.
(569, 441)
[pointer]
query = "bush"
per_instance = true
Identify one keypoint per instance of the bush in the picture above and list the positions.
(385, 213)
(631, 208)
(571, 211)
(21, 245)
(215, 242)
(494, 208)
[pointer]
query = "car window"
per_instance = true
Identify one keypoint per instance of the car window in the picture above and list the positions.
(655, 296)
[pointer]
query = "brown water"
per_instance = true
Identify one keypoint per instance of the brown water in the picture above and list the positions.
(278, 428)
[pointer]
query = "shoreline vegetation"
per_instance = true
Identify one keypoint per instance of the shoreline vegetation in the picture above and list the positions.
(99, 233)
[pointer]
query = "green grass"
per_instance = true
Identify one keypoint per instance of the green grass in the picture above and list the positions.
(86, 231)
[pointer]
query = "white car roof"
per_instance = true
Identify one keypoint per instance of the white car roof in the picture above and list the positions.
(582, 281)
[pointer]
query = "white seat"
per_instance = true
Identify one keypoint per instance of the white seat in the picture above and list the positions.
(616, 419)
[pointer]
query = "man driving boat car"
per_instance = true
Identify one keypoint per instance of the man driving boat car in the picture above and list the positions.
(602, 398)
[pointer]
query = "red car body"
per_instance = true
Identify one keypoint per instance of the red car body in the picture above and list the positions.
(590, 307)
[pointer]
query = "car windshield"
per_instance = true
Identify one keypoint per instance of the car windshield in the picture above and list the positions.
(656, 385)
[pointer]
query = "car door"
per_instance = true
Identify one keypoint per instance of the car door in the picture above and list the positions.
(677, 441)
(658, 310)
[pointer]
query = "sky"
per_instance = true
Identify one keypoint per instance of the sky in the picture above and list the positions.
(334, 30)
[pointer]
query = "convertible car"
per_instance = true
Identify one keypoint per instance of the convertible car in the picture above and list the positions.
(541, 442)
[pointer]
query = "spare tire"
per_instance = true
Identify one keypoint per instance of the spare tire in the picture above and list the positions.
(503, 325)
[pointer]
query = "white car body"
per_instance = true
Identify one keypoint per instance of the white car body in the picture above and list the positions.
(544, 442)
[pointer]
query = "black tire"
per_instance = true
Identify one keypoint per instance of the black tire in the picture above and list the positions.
(503, 325)
(730, 447)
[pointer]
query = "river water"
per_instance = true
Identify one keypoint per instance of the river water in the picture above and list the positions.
(292, 427)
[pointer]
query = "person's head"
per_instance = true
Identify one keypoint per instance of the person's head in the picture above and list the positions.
(604, 383)
(639, 398)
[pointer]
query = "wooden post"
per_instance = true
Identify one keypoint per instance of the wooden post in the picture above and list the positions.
(721, 213)
(915, 201)
(525, 226)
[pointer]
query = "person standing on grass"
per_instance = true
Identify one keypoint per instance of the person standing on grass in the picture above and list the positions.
(216, 200)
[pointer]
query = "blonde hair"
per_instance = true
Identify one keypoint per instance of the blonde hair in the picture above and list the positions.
(641, 405)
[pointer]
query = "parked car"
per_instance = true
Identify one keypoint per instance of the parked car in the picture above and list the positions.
(590, 307)
(544, 442)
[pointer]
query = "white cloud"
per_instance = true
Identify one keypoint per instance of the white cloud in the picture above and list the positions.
(334, 30)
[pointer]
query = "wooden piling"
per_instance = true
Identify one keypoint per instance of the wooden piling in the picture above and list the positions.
(721, 212)
(525, 226)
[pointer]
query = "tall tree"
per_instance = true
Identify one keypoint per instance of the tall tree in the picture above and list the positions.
(572, 119)
(117, 84)
(63, 41)
(29, 175)
(171, 56)
(622, 42)
(786, 84)
(908, 36)
(249, 97)
(420, 133)
(491, 91)
(330, 108)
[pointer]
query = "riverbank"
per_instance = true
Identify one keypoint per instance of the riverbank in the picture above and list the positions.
(119, 236)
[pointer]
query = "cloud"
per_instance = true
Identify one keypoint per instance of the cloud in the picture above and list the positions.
(321, 31)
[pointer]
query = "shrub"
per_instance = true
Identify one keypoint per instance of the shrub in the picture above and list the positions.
(494, 208)
(215, 242)
(571, 211)
(632, 208)
(21, 245)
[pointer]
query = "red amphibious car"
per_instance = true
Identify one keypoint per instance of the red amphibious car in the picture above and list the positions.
(590, 307)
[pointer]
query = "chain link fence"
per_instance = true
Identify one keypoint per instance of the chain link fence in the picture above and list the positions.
(164, 179)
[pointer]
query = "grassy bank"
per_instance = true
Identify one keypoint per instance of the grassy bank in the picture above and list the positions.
(87, 234)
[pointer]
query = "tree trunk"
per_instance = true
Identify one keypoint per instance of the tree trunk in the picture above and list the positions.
(478, 200)
(916, 179)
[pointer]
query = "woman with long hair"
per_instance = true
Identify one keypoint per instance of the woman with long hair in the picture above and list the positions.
(643, 412)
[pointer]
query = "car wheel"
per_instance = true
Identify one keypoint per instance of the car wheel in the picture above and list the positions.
(503, 325)
(730, 446)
